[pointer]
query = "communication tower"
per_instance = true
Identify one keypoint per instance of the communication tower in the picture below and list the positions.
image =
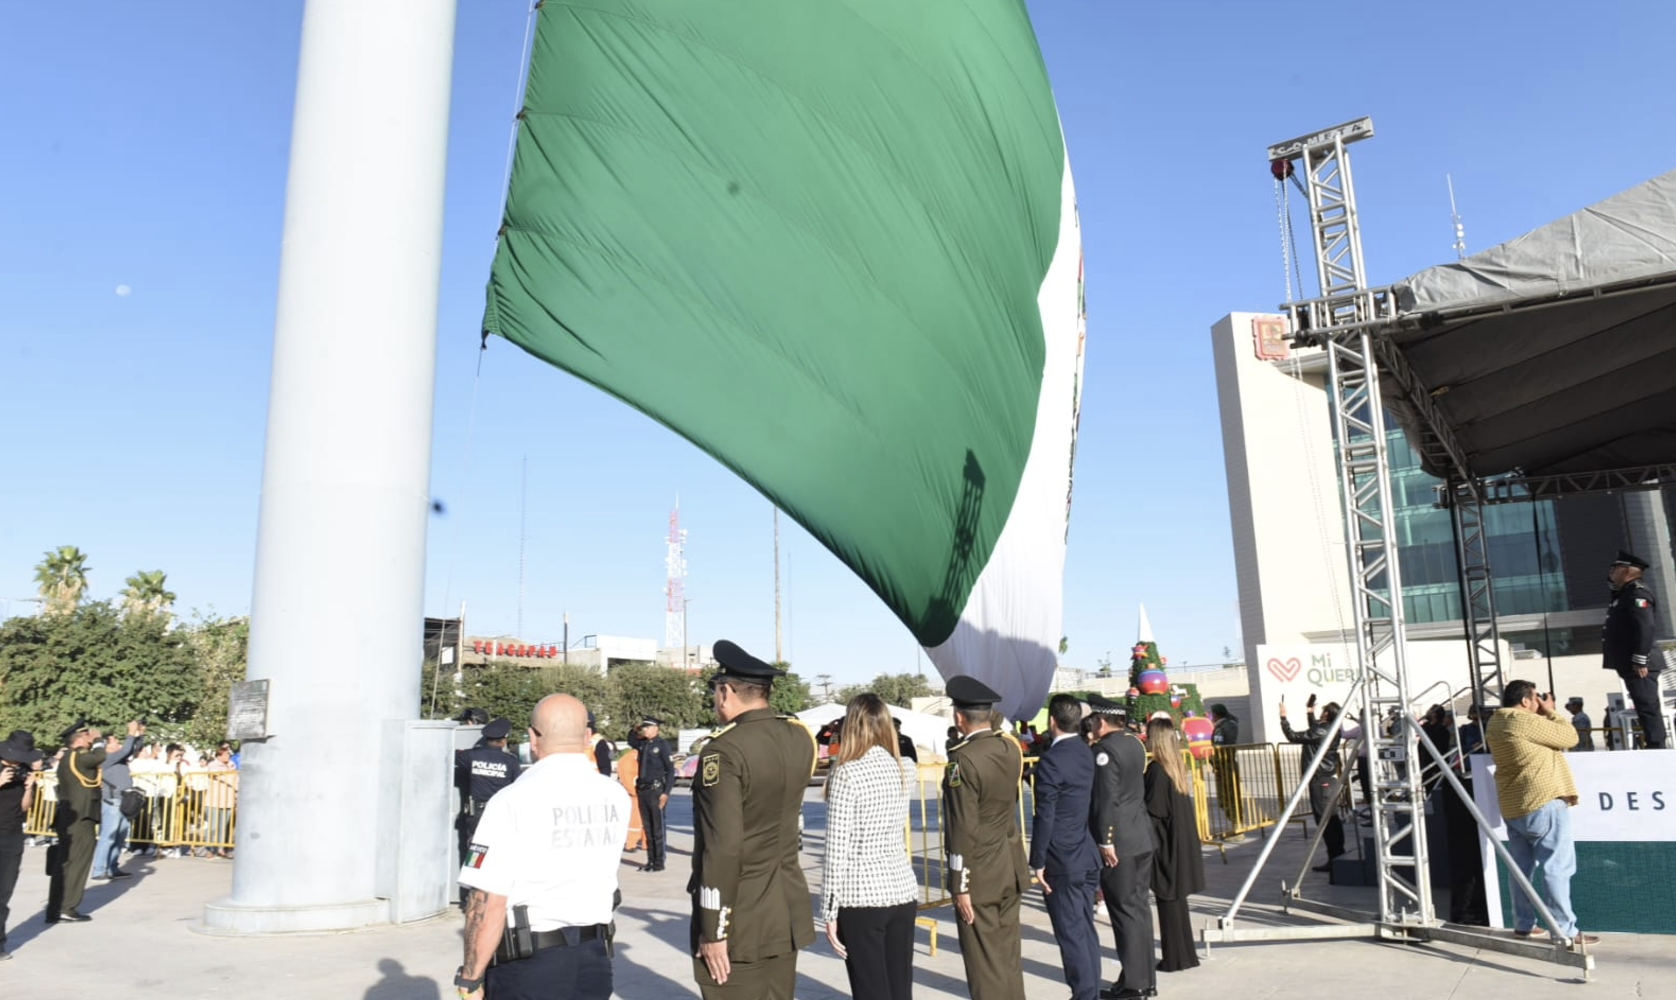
(675, 563)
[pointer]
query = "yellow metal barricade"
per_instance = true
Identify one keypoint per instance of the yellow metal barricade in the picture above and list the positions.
(196, 810)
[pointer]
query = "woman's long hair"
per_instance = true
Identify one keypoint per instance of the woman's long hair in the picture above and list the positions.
(1165, 744)
(867, 724)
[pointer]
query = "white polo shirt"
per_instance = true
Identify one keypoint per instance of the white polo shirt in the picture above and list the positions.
(552, 841)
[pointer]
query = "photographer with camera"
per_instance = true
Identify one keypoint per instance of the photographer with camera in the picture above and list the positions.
(20, 763)
(115, 784)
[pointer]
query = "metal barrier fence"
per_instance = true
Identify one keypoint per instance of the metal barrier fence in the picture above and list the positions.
(196, 809)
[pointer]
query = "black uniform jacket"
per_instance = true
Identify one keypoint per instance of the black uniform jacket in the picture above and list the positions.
(747, 884)
(1626, 641)
(1119, 815)
(981, 839)
(656, 769)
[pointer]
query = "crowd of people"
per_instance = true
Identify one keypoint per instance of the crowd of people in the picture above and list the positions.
(100, 790)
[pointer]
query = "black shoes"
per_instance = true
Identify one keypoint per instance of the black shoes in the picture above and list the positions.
(1323, 868)
(71, 916)
(651, 868)
(1113, 993)
(118, 874)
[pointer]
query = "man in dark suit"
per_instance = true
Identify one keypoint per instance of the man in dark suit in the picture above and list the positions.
(1062, 851)
(1123, 832)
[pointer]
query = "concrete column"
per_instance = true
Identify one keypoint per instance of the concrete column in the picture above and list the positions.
(340, 550)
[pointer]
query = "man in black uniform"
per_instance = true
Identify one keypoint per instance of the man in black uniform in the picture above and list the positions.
(18, 765)
(750, 899)
(981, 840)
(481, 772)
(1626, 644)
(1224, 735)
(76, 819)
(657, 777)
(904, 745)
(1123, 832)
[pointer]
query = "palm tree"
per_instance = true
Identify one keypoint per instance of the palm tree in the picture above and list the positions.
(145, 593)
(61, 577)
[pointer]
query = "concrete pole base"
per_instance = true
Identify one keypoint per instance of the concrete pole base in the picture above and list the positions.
(224, 916)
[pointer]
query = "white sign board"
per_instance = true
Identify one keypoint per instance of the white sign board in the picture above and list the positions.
(1437, 673)
(1622, 797)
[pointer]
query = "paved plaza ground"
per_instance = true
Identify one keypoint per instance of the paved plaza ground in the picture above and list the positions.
(146, 940)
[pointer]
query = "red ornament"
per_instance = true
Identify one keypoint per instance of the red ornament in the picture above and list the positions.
(1198, 732)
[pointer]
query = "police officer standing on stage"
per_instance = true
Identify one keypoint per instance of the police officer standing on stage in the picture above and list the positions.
(1627, 644)
(541, 872)
(750, 899)
(981, 839)
(482, 771)
(1123, 831)
(657, 777)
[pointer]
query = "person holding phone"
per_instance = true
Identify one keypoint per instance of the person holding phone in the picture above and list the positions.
(19, 765)
(1324, 810)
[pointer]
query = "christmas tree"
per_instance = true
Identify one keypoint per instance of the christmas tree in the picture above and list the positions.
(1150, 689)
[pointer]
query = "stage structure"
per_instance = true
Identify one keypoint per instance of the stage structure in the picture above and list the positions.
(1428, 350)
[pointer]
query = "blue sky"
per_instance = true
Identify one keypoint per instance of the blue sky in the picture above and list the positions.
(141, 195)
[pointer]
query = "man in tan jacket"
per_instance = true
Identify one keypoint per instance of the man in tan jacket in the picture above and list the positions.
(1534, 788)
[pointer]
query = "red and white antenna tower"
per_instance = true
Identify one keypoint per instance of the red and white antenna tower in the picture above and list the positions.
(675, 590)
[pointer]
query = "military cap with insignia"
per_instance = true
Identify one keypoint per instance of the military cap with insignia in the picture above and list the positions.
(735, 662)
(969, 692)
(497, 729)
(69, 734)
(1630, 559)
(651, 720)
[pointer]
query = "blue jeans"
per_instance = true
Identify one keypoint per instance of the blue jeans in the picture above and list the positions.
(1543, 838)
(113, 837)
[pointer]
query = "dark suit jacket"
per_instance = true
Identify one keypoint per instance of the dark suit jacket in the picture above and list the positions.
(1059, 838)
(1119, 815)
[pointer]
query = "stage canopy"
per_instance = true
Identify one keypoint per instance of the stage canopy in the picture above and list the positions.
(1553, 353)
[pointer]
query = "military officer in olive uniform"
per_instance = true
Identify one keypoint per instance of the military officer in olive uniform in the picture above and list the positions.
(76, 818)
(1627, 644)
(482, 771)
(981, 839)
(750, 900)
(657, 777)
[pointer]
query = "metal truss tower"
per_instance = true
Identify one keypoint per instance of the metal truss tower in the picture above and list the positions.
(1342, 321)
(675, 589)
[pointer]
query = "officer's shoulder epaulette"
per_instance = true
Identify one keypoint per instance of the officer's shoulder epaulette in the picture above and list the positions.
(718, 732)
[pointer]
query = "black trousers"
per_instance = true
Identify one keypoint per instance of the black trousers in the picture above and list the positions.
(651, 820)
(1070, 908)
(1326, 814)
(1125, 887)
(765, 979)
(1644, 694)
(880, 942)
(11, 862)
(1175, 935)
(578, 972)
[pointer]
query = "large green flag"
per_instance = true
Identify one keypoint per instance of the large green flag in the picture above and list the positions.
(834, 244)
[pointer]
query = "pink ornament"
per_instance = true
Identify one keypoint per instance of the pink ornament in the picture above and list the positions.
(1154, 682)
(1134, 692)
(1198, 732)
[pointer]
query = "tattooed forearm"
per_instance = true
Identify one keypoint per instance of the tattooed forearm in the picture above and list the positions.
(477, 905)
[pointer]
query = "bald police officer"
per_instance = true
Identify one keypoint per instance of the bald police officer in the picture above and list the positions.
(541, 871)
(1627, 644)
(981, 839)
(750, 900)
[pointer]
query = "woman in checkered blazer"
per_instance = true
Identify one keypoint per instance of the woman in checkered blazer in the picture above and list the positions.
(868, 889)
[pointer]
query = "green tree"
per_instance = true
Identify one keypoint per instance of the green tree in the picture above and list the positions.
(1064, 645)
(220, 648)
(91, 662)
(642, 689)
(61, 578)
(900, 689)
(145, 593)
(790, 694)
(1143, 657)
